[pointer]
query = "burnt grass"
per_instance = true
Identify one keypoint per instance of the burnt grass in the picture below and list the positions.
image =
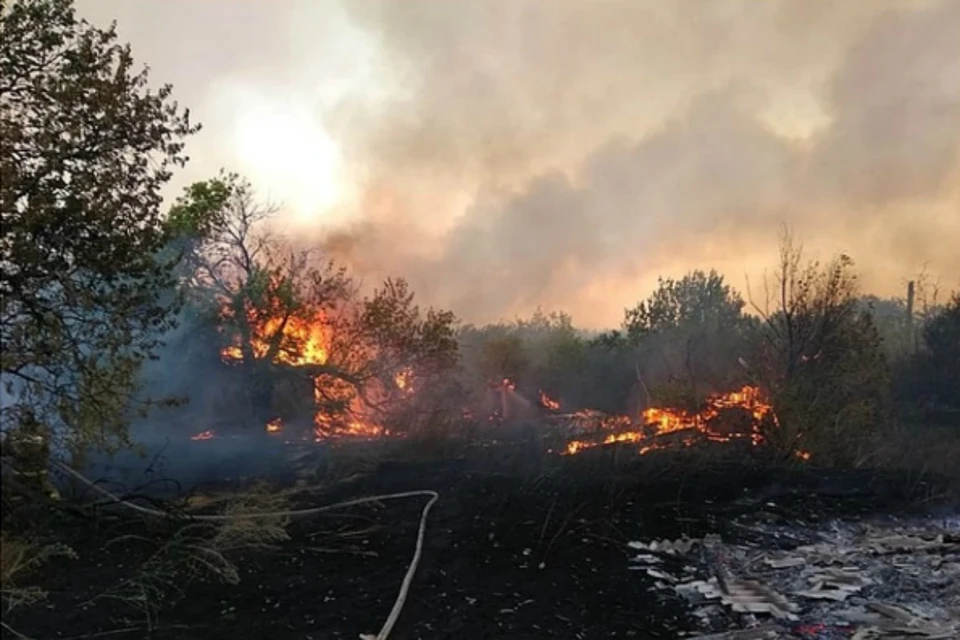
(520, 545)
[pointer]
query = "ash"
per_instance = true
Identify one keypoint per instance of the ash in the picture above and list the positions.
(853, 578)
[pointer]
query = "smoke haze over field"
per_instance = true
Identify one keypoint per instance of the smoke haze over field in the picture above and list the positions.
(514, 153)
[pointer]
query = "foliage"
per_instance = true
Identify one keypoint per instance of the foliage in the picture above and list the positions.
(821, 357)
(504, 357)
(18, 558)
(201, 551)
(688, 336)
(87, 147)
(698, 299)
(941, 338)
(412, 356)
(547, 353)
(930, 378)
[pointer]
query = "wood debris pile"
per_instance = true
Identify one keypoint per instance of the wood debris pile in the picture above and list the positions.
(879, 579)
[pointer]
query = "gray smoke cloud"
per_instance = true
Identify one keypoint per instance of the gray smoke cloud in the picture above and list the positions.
(511, 154)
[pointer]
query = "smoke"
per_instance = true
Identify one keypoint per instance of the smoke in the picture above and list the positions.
(511, 154)
(564, 154)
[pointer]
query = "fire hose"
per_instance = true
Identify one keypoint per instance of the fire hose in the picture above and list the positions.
(407, 578)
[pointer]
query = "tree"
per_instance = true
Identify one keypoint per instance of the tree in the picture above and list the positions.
(86, 149)
(699, 299)
(942, 340)
(287, 316)
(821, 357)
(930, 379)
(688, 336)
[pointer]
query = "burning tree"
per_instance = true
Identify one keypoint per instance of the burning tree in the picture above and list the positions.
(297, 327)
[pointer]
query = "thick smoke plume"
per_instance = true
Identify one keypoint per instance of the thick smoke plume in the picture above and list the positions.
(597, 145)
(514, 153)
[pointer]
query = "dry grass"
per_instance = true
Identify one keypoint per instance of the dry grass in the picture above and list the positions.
(926, 450)
(18, 559)
(349, 461)
(201, 551)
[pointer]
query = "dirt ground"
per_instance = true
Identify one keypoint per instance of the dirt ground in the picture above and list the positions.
(513, 549)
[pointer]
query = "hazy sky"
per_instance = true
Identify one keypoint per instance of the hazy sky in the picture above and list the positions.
(505, 154)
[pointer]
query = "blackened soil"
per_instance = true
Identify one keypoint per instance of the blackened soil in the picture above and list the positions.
(507, 554)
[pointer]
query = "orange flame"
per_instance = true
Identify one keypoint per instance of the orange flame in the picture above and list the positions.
(547, 402)
(295, 341)
(311, 340)
(659, 421)
(274, 426)
(404, 380)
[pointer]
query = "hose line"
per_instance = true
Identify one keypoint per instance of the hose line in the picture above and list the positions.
(407, 578)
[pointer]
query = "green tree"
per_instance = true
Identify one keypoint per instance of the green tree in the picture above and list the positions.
(86, 148)
(700, 300)
(821, 357)
(688, 336)
(928, 381)
(504, 357)
(941, 339)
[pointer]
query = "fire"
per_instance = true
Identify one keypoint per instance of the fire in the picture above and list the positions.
(302, 342)
(404, 379)
(326, 426)
(296, 341)
(547, 402)
(659, 421)
(203, 435)
(274, 426)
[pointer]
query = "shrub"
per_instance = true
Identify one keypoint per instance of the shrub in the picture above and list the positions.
(819, 353)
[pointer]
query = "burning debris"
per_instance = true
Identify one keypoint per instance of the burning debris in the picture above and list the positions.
(849, 580)
(547, 402)
(738, 415)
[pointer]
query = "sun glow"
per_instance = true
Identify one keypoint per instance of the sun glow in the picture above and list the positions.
(287, 152)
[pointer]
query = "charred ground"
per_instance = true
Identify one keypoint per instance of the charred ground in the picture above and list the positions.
(520, 545)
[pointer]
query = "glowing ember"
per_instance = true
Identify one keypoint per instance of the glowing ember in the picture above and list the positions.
(326, 426)
(274, 426)
(404, 380)
(203, 435)
(547, 402)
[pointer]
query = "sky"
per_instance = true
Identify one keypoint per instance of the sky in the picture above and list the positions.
(512, 154)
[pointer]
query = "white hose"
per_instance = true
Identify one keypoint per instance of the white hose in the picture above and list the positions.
(407, 578)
